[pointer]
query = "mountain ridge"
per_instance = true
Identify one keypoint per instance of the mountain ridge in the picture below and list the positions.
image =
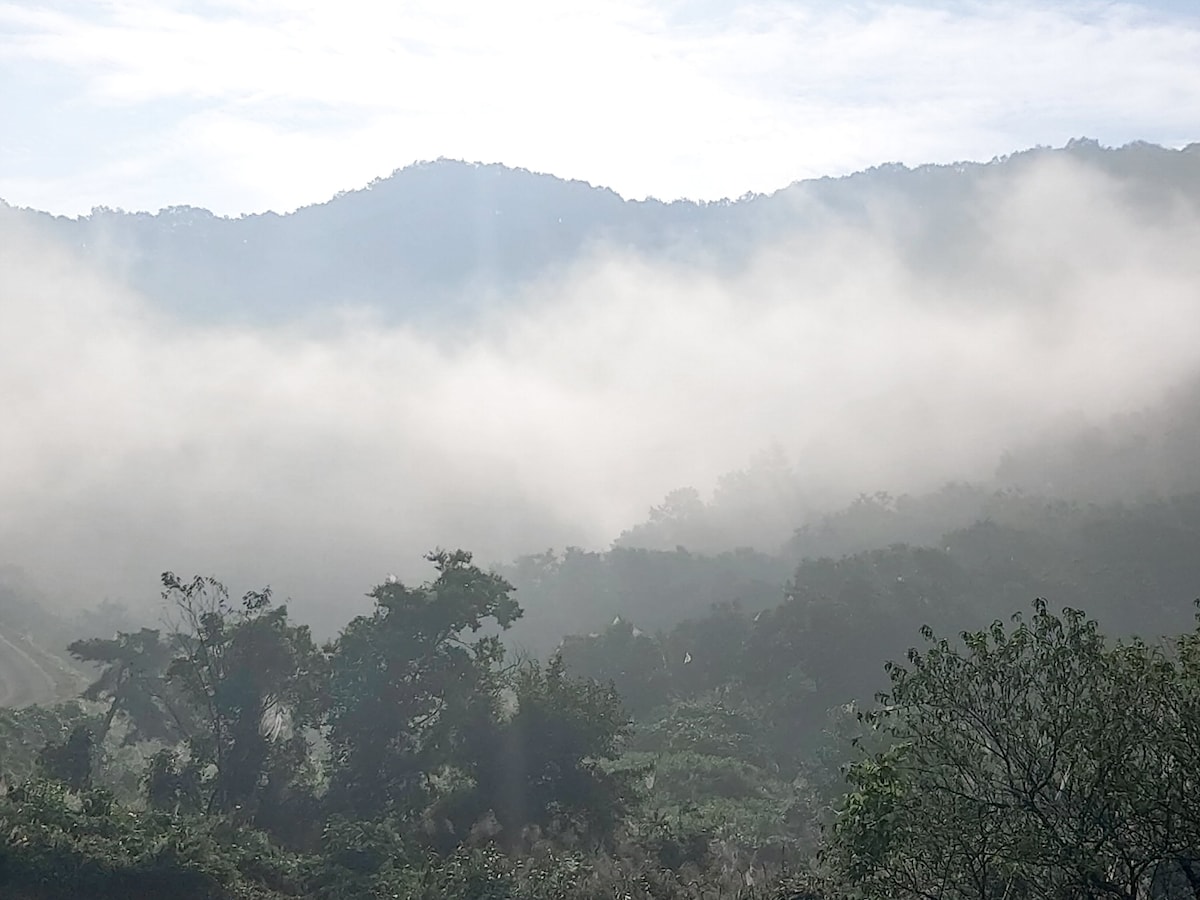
(440, 240)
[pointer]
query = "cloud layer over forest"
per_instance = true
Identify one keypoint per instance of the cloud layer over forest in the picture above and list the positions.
(319, 459)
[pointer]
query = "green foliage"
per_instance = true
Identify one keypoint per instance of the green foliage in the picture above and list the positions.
(58, 845)
(71, 761)
(54, 845)
(132, 679)
(711, 770)
(405, 682)
(544, 765)
(1035, 762)
(480, 873)
(24, 732)
(488, 874)
(362, 859)
(255, 683)
(821, 648)
(408, 759)
(173, 785)
(633, 662)
(725, 799)
(717, 724)
(580, 591)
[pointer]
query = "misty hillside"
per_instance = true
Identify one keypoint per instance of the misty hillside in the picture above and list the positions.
(392, 507)
(694, 478)
(440, 239)
(651, 376)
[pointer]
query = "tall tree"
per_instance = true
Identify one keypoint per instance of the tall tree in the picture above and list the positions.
(545, 763)
(257, 684)
(132, 679)
(406, 678)
(1037, 762)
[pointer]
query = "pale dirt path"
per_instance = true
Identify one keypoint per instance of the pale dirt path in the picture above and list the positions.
(24, 680)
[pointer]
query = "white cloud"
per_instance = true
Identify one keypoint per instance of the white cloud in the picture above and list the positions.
(256, 105)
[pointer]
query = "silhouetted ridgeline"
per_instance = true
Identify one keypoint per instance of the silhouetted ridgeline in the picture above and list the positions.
(446, 238)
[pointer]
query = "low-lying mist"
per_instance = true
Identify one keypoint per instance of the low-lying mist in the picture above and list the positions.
(320, 458)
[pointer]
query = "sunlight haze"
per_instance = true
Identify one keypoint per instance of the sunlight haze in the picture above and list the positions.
(242, 107)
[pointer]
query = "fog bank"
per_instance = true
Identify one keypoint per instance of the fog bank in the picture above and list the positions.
(320, 458)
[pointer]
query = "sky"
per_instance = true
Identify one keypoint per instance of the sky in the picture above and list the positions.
(241, 106)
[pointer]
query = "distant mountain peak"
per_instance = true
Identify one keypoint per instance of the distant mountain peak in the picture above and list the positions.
(440, 237)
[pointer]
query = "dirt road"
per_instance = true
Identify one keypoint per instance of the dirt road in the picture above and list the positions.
(29, 675)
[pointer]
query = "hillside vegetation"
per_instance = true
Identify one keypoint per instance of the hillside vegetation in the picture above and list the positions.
(231, 755)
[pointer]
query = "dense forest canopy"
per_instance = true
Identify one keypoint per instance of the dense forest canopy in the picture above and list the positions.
(229, 754)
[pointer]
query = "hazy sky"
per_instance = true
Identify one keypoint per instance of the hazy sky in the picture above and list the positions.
(245, 105)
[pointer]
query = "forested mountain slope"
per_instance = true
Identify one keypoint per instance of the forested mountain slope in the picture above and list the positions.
(444, 239)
